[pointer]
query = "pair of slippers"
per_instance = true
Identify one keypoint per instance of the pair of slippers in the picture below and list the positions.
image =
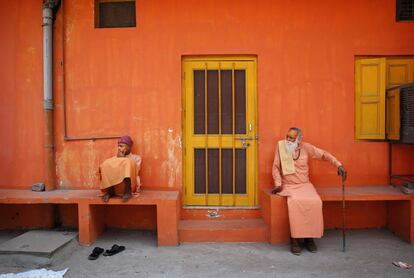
(97, 251)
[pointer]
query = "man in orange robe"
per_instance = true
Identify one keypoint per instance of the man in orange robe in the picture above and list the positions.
(120, 174)
(291, 178)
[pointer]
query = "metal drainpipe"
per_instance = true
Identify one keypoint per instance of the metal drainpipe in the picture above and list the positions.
(49, 152)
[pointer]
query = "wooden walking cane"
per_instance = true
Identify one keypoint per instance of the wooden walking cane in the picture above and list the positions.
(343, 216)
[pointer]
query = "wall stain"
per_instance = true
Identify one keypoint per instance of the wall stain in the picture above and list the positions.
(173, 163)
(162, 145)
(78, 167)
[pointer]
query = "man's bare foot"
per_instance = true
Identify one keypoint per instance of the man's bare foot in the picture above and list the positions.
(127, 192)
(106, 197)
(126, 197)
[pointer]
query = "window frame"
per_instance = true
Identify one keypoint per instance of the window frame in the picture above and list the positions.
(97, 22)
(398, 11)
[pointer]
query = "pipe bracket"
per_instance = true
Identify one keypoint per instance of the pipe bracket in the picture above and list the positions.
(48, 104)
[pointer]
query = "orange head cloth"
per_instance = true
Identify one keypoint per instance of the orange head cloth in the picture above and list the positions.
(292, 134)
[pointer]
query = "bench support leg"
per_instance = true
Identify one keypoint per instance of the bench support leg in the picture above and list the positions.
(275, 215)
(279, 220)
(400, 219)
(167, 223)
(91, 222)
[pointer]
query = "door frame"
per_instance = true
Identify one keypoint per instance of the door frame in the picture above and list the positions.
(251, 96)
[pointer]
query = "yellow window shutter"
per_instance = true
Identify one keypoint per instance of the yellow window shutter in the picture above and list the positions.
(393, 114)
(370, 98)
(399, 71)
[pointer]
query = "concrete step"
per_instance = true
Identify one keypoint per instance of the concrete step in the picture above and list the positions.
(219, 213)
(234, 230)
(37, 248)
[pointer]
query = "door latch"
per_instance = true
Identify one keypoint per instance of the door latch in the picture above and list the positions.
(244, 142)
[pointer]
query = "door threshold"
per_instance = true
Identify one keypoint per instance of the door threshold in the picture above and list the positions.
(220, 207)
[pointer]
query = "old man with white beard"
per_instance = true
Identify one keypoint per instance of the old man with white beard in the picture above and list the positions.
(291, 178)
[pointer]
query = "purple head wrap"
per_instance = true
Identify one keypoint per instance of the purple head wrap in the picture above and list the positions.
(126, 140)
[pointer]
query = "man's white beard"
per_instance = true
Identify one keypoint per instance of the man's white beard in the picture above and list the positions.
(291, 146)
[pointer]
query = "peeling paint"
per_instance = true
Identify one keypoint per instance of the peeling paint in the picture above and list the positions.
(78, 167)
(147, 144)
(173, 164)
(68, 31)
(91, 167)
(63, 159)
(162, 145)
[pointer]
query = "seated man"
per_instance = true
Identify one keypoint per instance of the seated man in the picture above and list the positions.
(120, 174)
(291, 178)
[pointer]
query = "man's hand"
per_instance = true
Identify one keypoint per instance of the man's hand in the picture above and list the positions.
(342, 172)
(277, 189)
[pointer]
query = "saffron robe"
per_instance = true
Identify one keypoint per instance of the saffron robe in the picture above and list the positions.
(304, 203)
(114, 170)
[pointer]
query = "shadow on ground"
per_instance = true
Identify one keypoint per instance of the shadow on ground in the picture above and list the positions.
(370, 253)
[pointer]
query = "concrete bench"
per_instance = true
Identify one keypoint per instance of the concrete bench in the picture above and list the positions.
(399, 209)
(91, 209)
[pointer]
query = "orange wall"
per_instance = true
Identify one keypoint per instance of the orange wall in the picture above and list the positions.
(357, 215)
(21, 95)
(27, 216)
(131, 217)
(128, 81)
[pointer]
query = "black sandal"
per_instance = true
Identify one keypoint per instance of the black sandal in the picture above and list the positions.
(115, 249)
(95, 253)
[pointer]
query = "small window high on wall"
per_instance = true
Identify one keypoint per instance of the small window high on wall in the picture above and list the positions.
(114, 13)
(405, 10)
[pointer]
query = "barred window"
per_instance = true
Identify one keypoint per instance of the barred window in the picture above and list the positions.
(405, 10)
(114, 13)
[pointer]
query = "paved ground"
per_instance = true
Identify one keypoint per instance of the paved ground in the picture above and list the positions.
(370, 254)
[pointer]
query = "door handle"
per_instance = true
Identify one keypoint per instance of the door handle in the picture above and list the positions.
(244, 140)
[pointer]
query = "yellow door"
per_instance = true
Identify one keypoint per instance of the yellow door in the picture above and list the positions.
(220, 131)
